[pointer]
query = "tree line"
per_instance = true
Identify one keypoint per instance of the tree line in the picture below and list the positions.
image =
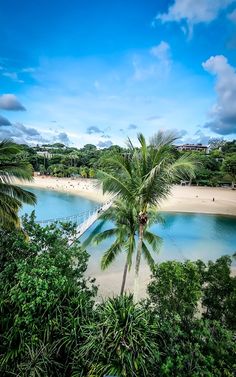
(217, 167)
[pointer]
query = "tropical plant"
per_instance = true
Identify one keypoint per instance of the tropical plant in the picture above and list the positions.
(123, 230)
(119, 340)
(175, 288)
(11, 195)
(51, 326)
(44, 300)
(190, 344)
(83, 170)
(219, 292)
(229, 167)
(144, 177)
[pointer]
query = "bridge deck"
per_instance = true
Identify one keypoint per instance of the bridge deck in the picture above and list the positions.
(83, 220)
(82, 228)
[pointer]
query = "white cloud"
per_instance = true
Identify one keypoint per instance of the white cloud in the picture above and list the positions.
(141, 70)
(163, 53)
(94, 130)
(192, 12)
(223, 113)
(28, 70)
(21, 134)
(62, 137)
(13, 76)
(10, 102)
(157, 63)
(104, 144)
(4, 122)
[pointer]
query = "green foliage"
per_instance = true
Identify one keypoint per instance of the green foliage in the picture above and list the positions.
(208, 173)
(144, 177)
(229, 167)
(219, 292)
(229, 147)
(51, 326)
(44, 300)
(124, 231)
(175, 288)
(84, 172)
(195, 348)
(120, 340)
(190, 345)
(12, 196)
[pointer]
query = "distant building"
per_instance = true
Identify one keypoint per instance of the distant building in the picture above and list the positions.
(45, 154)
(192, 147)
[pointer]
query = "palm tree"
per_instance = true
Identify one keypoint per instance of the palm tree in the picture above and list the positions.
(144, 177)
(124, 230)
(12, 196)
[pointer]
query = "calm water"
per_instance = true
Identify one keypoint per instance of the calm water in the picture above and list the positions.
(185, 236)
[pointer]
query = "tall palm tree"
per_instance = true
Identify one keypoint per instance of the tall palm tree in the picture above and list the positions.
(12, 196)
(124, 230)
(144, 177)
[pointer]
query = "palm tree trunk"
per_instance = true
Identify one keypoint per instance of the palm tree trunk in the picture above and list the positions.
(137, 263)
(124, 279)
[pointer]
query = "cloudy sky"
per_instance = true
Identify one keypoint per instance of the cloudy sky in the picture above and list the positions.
(98, 71)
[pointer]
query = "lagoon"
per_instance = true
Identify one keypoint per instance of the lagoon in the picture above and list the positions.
(185, 235)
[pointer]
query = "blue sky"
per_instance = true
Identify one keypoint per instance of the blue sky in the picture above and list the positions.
(98, 71)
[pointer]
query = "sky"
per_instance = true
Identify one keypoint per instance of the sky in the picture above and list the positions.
(88, 71)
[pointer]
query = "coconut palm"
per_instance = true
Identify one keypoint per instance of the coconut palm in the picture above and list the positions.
(124, 230)
(12, 196)
(144, 177)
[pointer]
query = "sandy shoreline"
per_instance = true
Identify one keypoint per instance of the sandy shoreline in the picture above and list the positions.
(183, 198)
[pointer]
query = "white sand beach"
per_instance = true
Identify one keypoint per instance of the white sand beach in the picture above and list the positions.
(183, 198)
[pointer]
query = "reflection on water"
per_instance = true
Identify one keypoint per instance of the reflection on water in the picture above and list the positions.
(185, 236)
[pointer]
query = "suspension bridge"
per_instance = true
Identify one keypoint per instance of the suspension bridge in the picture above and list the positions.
(83, 220)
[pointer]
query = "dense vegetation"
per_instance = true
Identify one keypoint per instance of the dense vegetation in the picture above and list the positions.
(12, 196)
(51, 324)
(63, 161)
(51, 321)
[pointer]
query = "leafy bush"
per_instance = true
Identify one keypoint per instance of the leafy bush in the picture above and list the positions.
(175, 288)
(44, 300)
(51, 326)
(120, 340)
(219, 292)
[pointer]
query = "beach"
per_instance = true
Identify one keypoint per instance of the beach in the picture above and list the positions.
(195, 199)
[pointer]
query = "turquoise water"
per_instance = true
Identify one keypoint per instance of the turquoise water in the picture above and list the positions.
(185, 236)
(53, 204)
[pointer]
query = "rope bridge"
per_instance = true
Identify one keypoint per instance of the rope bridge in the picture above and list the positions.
(84, 220)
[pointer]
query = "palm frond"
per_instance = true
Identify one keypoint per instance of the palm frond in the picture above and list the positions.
(161, 139)
(114, 184)
(181, 168)
(130, 249)
(8, 148)
(110, 255)
(12, 196)
(154, 241)
(20, 170)
(18, 193)
(106, 234)
(94, 232)
(147, 255)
